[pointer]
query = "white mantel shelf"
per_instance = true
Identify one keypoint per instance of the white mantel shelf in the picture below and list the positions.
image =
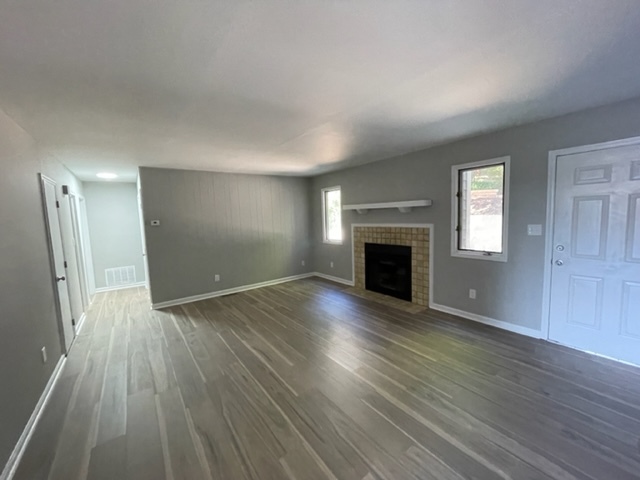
(404, 207)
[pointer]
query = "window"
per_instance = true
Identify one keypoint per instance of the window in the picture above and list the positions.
(480, 209)
(332, 215)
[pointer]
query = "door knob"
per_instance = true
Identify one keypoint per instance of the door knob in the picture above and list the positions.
(61, 279)
(559, 263)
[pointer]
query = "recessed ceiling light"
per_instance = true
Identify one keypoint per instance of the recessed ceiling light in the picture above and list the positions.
(106, 175)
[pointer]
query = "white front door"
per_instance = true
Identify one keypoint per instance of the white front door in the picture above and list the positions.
(57, 261)
(595, 279)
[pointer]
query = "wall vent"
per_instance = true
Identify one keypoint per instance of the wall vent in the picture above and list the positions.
(118, 276)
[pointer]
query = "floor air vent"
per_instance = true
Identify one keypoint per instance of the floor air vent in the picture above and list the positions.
(120, 276)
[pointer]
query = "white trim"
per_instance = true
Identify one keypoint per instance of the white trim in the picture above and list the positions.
(404, 207)
(529, 332)
(548, 243)
(428, 226)
(80, 323)
(14, 459)
(477, 255)
(334, 279)
(595, 354)
(323, 192)
(79, 246)
(120, 287)
(228, 291)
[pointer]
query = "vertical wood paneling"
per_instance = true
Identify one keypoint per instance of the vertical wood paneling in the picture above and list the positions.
(246, 228)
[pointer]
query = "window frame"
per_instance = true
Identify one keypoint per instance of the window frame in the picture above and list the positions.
(325, 239)
(455, 210)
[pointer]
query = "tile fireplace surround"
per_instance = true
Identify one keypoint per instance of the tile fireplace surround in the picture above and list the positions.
(415, 237)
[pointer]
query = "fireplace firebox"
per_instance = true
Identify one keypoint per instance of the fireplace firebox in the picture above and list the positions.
(388, 269)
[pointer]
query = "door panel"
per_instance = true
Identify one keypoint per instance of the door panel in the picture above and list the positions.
(633, 229)
(595, 278)
(57, 261)
(585, 301)
(631, 309)
(597, 174)
(590, 222)
(635, 170)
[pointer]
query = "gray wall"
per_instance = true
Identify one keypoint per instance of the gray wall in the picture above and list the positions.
(512, 291)
(28, 320)
(246, 228)
(114, 228)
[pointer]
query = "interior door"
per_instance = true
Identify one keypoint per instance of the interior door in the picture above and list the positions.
(595, 279)
(78, 243)
(63, 302)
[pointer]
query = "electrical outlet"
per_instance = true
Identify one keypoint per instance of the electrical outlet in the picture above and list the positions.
(472, 293)
(303, 263)
(44, 354)
(217, 278)
(331, 264)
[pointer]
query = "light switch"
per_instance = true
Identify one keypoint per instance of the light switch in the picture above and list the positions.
(534, 230)
(155, 223)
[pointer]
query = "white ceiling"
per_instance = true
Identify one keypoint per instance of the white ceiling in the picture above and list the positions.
(299, 87)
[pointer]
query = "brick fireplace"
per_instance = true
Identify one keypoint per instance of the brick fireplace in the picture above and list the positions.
(415, 237)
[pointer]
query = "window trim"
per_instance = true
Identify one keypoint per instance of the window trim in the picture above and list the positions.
(324, 216)
(455, 212)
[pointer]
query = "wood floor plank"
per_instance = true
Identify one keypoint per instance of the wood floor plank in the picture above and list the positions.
(143, 444)
(216, 440)
(108, 460)
(257, 445)
(113, 402)
(160, 365)
(181, 458)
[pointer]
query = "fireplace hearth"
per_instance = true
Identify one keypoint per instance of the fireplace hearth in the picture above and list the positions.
(388, 269)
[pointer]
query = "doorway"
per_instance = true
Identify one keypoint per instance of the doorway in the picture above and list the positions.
(593, 249)
(54, 236)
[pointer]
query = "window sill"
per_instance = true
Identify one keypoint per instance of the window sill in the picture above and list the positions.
(332, 242)
(494, 257)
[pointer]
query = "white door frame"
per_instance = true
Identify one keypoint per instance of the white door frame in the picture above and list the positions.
(551, 197)
(143, 234)
(79, 247)
(91, 279)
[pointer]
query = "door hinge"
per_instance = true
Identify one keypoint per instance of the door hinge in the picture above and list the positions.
(73, 322)
(65, 264)
(457, 228)
(57, 204)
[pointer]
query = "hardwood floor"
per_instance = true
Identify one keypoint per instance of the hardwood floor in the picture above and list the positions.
(303, 381)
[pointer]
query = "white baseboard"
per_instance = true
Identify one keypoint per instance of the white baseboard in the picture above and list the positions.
(228, 291)
(529, 332)
(12, 464)
(595, 354)
(120, 287)
(80, 323)
(334, 279)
